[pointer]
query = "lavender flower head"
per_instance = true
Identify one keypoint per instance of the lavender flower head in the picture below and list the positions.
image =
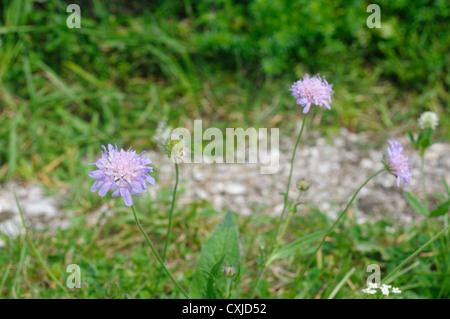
(398, 164)
(124, 172)
(312, 91)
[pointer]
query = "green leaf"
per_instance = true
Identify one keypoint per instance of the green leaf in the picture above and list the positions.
(341, 283)
(416, 204)
(424, 139)
(294, 246)
(222, 247)
(441, 209)
(447, 189)
(212, 289)
(411, 138)
(441, 139)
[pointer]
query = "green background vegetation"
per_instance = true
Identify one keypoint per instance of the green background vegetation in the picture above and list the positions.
(64, 92)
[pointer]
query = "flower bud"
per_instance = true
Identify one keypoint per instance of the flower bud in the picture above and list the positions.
(229, 271)
(175, 149)
(303, 185)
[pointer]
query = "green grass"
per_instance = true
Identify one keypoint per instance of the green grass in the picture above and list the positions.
(115, 78)
(116, 263)
(64, 92)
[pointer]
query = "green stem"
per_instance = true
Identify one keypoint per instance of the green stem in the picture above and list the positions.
(330, 230)
(47, 270)
(425, 200)
(286, 195)
(258, 278)
(260, 273)
(424, 189)
(286, 198)
(290, 212)
(156, 254)
(169, 227)
(227, 292)
(414, 254)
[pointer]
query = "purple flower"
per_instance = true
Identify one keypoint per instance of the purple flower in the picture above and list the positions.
(312, 91)
(124, 172)
(398, 164)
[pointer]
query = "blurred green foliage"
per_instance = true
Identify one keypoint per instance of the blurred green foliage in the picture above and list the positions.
(411, 47)
(132, 64)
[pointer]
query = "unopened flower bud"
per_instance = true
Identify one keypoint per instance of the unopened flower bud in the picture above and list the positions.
(175, 149)
(229, 271)
(303, 185)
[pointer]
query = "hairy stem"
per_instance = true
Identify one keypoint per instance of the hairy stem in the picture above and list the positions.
(156, 254)
(169, 227)
(286, 199)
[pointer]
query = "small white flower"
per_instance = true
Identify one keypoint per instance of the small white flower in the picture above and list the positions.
(369, 291)
(372, 286)
(395, 290)
(385, 290)
(428, 119)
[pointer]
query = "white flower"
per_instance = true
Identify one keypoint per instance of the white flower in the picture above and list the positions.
(372, 286)
(385, 289)
(369, 291)
(395, 290)
(428, 119)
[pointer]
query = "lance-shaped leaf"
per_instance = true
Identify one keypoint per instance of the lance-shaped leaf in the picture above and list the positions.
(221, 248)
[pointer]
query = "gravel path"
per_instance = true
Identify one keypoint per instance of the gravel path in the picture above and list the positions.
(335, 172)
